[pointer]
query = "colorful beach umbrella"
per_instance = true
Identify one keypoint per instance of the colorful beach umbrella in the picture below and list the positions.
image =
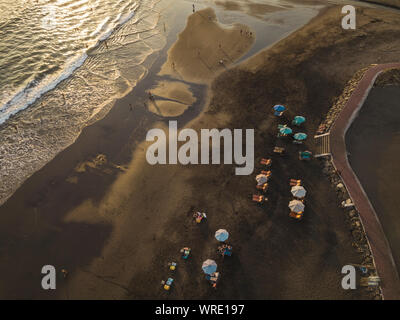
(299, 120)
(300, 136)
(221, 235)
(279, 108)
(209, 266)
(298, 191)
(261, 179)
(285, 130)
(296, 206)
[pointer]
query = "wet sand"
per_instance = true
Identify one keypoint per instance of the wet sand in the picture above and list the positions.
(373, 141)
(116, 224)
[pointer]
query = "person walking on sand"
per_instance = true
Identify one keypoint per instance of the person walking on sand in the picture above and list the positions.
(64, 273)
(194, 9)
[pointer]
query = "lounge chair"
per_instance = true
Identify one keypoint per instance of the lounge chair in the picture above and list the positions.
(258, 198)
(294, 182)
(297, 141)
(266, 173)
(266, 162)
(296, 215)
(279, 150)
(225, 250)
(167, 284)
(263, 187)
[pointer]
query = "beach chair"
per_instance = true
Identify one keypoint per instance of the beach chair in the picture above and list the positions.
(295, 215)
(213, 278)
(279, 150)
(281, 135)
(266, 162)
(225, 250)
(294, 182)
(263, 187)
(258, 198)
(167, 284)
(266, 173)
(278, 114)
(172, 265)
(297, 141)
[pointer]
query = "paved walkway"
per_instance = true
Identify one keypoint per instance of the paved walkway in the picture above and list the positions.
(384, 262)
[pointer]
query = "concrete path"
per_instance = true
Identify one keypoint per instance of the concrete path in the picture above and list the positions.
(384, 262)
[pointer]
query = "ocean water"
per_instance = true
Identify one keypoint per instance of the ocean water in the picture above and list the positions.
(63, 63)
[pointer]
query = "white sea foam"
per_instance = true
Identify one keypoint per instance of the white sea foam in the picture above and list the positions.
(81, 92)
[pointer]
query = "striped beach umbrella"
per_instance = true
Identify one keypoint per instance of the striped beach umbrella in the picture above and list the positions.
(221, 235)
(209, 266)
(285, 130)
(300, 136)
(279, 108)
(298, 120)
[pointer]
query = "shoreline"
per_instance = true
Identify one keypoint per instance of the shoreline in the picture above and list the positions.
(193, 112)
(114, 217)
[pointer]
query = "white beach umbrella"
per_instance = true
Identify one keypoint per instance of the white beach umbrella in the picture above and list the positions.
(221, 235)
(261, 179)
(298, 191)
(296, 206)
(209, 266)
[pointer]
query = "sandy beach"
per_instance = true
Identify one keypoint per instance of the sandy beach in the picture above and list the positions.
(99, 210)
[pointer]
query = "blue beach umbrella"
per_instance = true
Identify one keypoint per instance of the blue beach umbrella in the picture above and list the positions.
(209, 266)
(221, 235)
(285, 130)
(279, 108)
(299, 120)
(300, 136)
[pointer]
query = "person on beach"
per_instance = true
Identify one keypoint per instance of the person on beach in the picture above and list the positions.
(64, 273)
(194, 8)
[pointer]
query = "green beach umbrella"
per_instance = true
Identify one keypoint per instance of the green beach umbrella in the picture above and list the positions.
(299, 120)
(300, 136)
